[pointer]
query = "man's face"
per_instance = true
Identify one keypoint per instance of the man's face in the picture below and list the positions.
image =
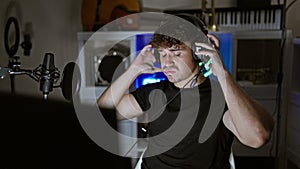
(177, 63)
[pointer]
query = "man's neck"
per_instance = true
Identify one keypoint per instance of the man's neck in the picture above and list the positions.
(188, 81)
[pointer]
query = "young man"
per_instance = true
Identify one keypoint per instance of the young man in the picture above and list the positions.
(178, 108)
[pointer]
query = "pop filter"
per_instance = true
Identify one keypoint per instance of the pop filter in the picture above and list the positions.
(71, 81)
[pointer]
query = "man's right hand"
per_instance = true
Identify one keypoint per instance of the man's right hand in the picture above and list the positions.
(144, 62)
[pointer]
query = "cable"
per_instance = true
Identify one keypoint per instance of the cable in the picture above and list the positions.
(287, 8)
(194, 78)
(280, 73)
(280, 76)
(162, 108)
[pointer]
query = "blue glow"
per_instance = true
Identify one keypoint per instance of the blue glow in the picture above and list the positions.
(150, 80)
(225, 48)
(144, 79)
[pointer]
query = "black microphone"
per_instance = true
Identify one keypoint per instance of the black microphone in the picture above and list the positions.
(47, 71)
(27, 34)
(26, 45)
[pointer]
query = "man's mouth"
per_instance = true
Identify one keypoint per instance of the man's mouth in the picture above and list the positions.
(169, 71)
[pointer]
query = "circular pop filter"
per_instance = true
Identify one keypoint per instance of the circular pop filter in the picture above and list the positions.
(71, 81)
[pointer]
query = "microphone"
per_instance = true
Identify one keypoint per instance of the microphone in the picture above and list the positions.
(47, 75)
(26, 45)
(27, 34)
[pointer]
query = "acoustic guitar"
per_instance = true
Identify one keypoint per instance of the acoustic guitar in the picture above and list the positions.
(96, 13)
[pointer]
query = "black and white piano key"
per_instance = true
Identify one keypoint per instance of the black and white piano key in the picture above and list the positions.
(249, 19)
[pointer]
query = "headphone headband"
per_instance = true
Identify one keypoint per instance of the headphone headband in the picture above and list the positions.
(196, 21)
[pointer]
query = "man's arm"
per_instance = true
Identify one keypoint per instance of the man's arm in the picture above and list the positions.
(116, 96)
(246, 118)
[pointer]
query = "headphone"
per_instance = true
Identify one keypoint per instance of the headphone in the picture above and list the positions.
(200, 24)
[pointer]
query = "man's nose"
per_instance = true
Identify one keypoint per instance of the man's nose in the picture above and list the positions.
(169, 59)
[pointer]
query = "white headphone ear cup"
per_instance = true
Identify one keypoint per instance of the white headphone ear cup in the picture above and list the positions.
(196, 58)
(193, 51)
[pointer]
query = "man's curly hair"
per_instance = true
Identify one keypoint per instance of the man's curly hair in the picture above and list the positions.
(175, 31)
(170, 34)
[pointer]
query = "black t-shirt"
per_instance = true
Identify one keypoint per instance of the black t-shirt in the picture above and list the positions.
(176, 119)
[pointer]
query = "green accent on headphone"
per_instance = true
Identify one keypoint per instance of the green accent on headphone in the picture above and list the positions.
(205, 69)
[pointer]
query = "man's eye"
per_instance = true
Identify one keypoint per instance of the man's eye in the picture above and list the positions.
(177, 53)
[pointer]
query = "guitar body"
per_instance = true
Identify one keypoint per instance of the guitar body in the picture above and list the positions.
(96, 13)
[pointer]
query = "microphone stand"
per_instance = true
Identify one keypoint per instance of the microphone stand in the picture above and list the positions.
(14, 69)
(36, 74)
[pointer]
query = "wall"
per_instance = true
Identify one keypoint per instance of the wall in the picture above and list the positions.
(293, 19)
(55, 25)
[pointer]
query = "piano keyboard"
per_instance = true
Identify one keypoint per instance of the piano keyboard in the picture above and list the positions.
(235, 19)
(238, 19)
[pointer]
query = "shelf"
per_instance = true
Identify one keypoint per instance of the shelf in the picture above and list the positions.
(261, 91)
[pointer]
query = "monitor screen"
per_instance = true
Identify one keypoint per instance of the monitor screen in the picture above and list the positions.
(225, 48)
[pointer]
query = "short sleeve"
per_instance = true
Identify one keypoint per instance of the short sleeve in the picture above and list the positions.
(141, 96)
